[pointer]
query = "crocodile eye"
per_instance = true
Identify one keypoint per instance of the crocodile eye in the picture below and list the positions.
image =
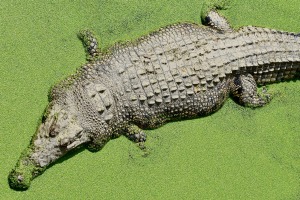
(207, 20)
(44, 119)
(53, 131)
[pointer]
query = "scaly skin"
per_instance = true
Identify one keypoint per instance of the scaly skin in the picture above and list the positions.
(181, 71)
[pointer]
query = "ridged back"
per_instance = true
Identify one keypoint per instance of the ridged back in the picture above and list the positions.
(185, 59)
(184, 69)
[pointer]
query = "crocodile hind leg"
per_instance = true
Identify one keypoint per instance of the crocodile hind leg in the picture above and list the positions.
(244, 91)
(91, 45)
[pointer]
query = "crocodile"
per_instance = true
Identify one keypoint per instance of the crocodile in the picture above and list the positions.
(181, 71)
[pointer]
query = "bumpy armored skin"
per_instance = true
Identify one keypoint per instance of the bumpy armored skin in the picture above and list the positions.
(181, 71)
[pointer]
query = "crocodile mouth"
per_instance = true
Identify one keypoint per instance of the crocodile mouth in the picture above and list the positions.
(37, 159)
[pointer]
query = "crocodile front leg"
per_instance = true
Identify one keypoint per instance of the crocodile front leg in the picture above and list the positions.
(244, 91)
(135, 134)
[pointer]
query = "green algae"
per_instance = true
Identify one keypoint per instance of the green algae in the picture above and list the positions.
(20, 177)
(236, 153)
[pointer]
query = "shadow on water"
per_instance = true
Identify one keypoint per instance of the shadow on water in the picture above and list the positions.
(69, 155)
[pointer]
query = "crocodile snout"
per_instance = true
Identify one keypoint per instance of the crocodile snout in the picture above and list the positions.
(18, 180)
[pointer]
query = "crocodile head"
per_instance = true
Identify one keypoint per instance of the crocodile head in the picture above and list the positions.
(59, 133)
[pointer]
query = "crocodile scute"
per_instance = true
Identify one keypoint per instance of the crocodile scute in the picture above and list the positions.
(180, 71)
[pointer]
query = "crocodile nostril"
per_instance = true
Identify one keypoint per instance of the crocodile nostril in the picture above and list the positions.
(20, 178)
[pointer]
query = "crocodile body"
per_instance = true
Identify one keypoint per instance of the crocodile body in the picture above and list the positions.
(181, 71)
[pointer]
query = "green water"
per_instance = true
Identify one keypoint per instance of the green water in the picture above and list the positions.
(237, 153)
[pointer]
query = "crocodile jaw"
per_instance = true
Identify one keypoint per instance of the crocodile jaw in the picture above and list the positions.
(56, 136)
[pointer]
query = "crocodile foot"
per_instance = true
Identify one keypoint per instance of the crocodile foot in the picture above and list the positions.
(265, 95)
(137, 135)
(244, 91)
